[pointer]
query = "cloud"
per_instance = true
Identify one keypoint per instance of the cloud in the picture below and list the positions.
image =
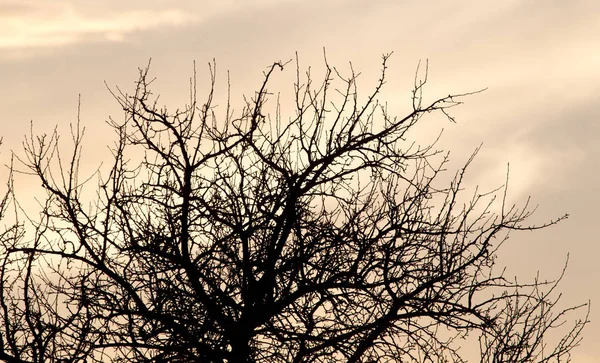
(54, 24)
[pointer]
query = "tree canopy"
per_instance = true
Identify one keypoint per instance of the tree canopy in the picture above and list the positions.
(316, 233)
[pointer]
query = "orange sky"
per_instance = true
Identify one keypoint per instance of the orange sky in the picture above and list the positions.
(539, 58)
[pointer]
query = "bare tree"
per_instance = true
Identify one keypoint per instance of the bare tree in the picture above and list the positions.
(250, 237)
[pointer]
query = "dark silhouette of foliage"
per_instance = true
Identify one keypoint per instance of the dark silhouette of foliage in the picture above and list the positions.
(218, 236)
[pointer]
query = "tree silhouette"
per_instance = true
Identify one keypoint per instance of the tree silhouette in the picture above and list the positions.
(218, 236)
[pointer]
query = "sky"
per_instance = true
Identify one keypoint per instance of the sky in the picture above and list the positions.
(538, 59)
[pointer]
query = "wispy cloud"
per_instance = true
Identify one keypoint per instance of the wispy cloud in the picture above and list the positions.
(46, 24)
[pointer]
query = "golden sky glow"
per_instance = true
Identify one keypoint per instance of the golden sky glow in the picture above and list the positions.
(540, 60)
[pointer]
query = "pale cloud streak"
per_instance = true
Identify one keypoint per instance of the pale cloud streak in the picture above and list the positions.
(55, 24)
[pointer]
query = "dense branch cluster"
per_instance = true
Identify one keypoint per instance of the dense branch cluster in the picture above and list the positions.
(252, 237)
